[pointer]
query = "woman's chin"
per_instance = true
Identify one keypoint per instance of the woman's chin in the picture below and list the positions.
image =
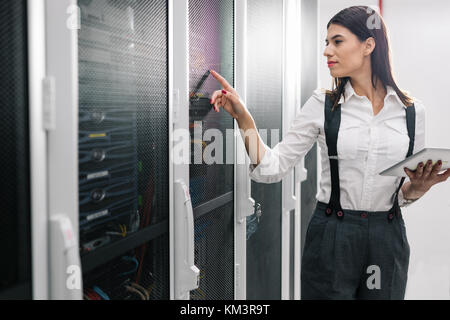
(335, 74)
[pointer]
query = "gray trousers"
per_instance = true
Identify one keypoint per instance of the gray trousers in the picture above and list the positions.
(362, 256)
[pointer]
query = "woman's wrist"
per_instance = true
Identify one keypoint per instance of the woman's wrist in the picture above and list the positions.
(245, 121)
(409, 193)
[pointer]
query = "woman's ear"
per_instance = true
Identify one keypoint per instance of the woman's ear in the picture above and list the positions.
(369, 46)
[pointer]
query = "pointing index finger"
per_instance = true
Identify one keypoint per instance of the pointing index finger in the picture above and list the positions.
(221, 80)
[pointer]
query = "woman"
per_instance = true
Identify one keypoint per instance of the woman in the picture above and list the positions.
(356, 245)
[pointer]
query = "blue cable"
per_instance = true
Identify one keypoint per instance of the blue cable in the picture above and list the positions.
(101, 293)
(132, 259)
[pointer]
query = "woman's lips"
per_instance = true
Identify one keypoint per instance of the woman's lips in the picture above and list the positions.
(330, 64)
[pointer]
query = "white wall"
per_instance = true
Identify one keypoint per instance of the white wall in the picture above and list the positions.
(419, 32)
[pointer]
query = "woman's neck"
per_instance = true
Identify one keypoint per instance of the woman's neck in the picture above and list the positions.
(363, 87)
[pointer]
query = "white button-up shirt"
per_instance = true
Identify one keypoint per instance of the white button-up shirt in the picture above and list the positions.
(366, 145)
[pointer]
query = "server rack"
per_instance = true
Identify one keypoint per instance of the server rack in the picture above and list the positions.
(217, 214)
(123, 146)
(211, 46)
(273, 96)
(264, 96)
(111, 181)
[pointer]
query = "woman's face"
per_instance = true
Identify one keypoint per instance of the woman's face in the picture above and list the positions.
(344, 47)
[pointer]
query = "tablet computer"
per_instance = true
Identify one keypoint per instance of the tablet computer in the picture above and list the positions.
(433, 154)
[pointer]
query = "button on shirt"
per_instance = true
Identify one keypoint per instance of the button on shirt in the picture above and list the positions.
(366, 145)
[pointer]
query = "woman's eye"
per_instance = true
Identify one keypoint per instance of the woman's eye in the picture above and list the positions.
(337, 41)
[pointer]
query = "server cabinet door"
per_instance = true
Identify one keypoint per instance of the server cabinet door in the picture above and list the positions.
(264, 101)
(15, 230)
(211, 182)
(123, 148)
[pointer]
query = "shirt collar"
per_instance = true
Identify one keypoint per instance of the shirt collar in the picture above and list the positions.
(391, 91)
(349, 92)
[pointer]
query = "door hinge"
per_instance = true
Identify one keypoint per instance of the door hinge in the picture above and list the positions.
(237, 274)
(48, 103)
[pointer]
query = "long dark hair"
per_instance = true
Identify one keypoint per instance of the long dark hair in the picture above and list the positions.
(365, 22)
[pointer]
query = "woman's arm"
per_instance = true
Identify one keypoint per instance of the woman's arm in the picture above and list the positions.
(270, 165)
(228, 98)
(252, 140)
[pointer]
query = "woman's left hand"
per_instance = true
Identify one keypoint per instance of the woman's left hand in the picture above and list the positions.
(424, 177)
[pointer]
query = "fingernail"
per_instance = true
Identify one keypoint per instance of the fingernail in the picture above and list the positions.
(224, 92)
(439, 162)
(406, 169)
(421, 165)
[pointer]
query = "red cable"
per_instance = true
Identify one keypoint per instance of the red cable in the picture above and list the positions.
(380, 5)
(147, 213)
(92, 294)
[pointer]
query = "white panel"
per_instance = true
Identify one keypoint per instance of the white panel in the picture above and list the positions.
(38, 147)
(62, 65)
(180, 109)
(291, 85)
(242, 189)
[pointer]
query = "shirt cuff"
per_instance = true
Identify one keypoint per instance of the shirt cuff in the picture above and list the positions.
(267, 171)
(402, 202)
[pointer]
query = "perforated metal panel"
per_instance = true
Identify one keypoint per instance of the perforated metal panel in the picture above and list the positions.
(15, 264)
(214, 254)
(123, 142)
(264, 101)
(211, 46)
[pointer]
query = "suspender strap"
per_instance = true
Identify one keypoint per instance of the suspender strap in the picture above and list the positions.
(411, 125)
(331, 126)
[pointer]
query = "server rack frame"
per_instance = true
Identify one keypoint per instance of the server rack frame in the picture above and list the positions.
(186, 276)
(184, 273)
(38, 147)
(61, 59)
(291, 184)
(61, 122)
(148, 235)
(244, 203)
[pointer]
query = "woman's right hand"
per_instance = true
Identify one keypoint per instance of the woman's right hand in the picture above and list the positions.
(228, 98)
